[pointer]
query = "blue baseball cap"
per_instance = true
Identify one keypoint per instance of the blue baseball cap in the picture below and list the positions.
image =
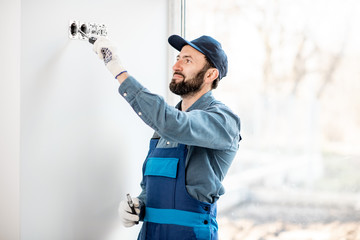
(206, 45)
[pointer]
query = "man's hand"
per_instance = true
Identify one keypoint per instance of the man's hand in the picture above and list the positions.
(127, 217)
(106, 51)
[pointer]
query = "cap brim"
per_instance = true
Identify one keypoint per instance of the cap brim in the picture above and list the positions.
(178, 43)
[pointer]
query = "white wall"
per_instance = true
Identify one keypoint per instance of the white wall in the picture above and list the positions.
(9, 118)
(81, 145)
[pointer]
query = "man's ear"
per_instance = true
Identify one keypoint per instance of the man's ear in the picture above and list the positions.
(211, 74)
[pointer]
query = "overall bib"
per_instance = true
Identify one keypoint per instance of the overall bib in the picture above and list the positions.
(171, 213)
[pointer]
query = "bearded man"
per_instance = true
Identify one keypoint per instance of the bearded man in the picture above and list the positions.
(193, 145)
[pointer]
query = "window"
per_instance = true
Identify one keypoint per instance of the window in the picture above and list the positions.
(294, 81)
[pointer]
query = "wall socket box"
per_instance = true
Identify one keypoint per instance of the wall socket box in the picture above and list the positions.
(90, 28)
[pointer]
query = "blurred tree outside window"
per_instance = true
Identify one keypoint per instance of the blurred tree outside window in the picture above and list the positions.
(294, 80)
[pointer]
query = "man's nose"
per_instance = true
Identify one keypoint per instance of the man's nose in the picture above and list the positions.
(177, 66)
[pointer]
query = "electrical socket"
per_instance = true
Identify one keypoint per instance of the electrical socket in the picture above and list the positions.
(90, 28)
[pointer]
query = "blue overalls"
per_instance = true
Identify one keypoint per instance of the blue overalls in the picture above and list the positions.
(171, 213)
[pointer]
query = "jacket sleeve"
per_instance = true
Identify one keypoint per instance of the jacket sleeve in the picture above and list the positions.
(216, 127)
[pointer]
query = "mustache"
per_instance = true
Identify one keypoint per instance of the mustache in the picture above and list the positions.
(179, 73)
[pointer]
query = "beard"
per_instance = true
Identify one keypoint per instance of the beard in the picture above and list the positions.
(190, 86)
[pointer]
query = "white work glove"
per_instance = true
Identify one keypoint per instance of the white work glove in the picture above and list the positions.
(127, 217)
(106, 51)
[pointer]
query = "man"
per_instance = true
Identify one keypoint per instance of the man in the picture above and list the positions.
(193, 145)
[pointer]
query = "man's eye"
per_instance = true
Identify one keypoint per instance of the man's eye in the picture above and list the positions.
(188, 61)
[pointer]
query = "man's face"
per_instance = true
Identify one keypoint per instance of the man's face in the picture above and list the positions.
(189, 71)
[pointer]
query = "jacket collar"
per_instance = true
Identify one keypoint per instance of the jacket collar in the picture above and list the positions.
(202, 103)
